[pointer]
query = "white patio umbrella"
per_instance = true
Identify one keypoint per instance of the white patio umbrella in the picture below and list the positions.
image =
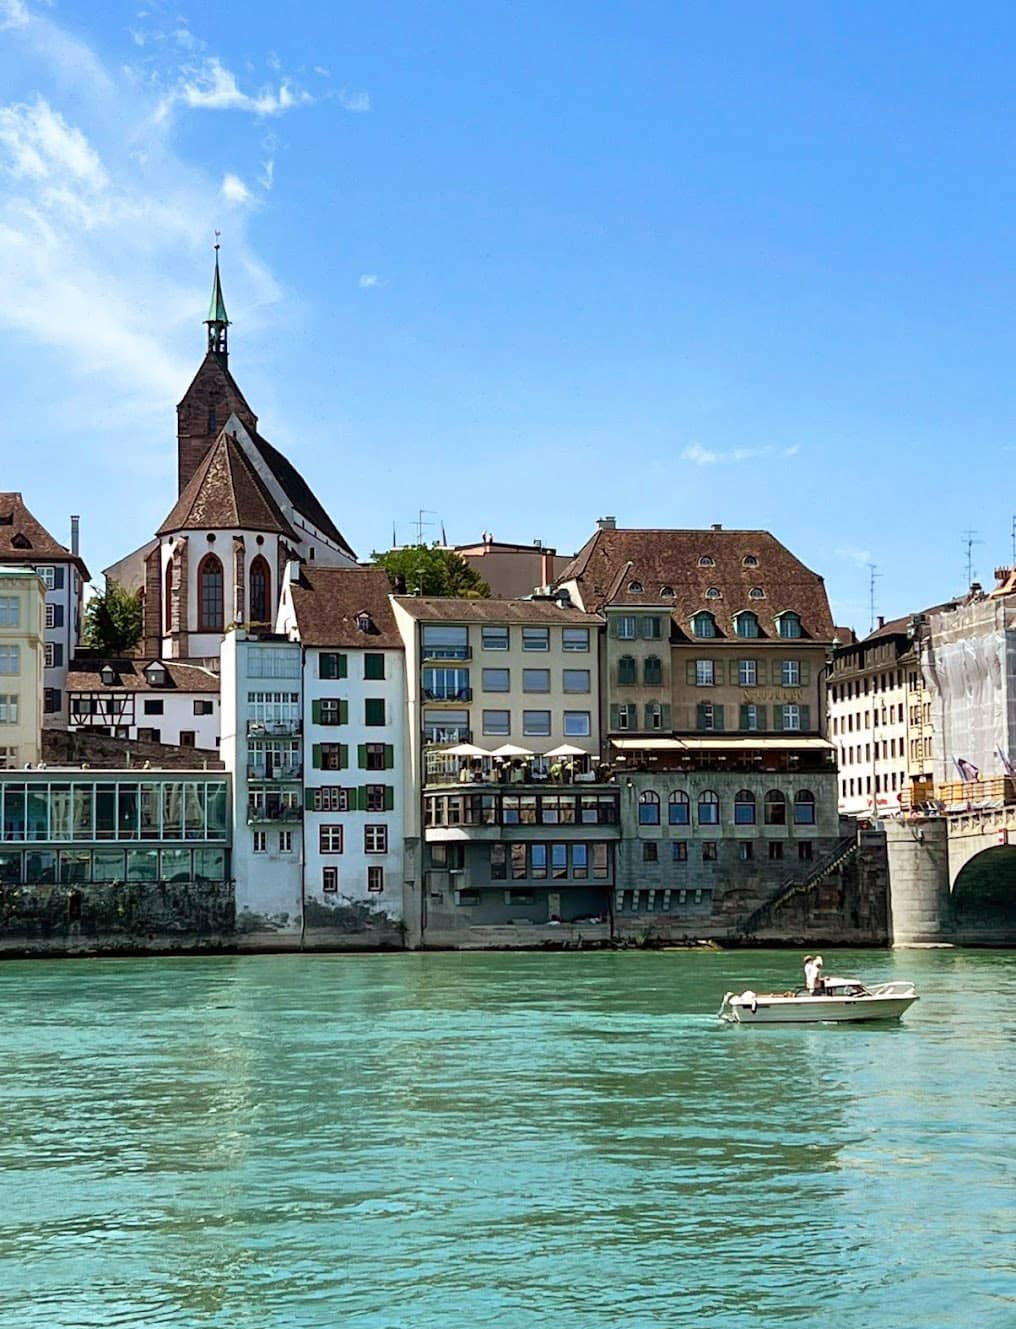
(511, 750)
(566, 750)
(466, 750)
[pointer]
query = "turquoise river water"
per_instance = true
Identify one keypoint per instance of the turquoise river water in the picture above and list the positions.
(562, 1140)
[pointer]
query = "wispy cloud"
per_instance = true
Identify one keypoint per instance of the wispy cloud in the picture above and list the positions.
(357, 102)
(368, 280)
(13, 14)
(234, 190)
(862, 557)
(210, 86)
(701, 456)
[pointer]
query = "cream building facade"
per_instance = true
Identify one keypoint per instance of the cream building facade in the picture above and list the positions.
(22, 665)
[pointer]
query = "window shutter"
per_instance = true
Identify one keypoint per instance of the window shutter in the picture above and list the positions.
(718, 717)
(361, 756)
(323, 665)
(614, 710)
(389, 756)
(58, 578)
(760, 712)
(612, 625)
(647, 712)
(315, 712)
(700, 716)
(633, 715)
(805, 717)
(778, 718)
(666, 715)
(343, 711)
(389, 797)
(805, 673)
(361, 798)
(742, 721)
(343, 756)
(58, 616)
(343, 666)
(58, 654)
(315, 756)
(690, 671)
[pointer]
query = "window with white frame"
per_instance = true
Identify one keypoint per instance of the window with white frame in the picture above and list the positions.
(285, 842)
(792, 717)
(375, 839)
(789, 625)
(10, 659)
(375, 879)
(747, 673)
(536, 724)
(627, 627)
(575, 639)
(494, 637)
(273, 662)
(272, 707)
(577, 724)
(330, 880)
(50, 616)
(330, 839)
(705, 673)
(260, 839)
(48, 576)
(328, 798)
(10, 611)
(536, 639)
(8, 708)
(790, 673)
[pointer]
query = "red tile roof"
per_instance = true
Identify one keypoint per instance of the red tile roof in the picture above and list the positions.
(226, 493)
(84, 675)
(327, 602)
(677, 569)
(24, 539)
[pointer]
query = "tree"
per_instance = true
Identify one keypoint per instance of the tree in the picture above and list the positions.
(431, 570)
(113, 620)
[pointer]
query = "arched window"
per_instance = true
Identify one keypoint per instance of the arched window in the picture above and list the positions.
(666, 592)
(635, 588)
(749, 561)
(707, 561)
(260, 599)
(756, 593)
(776, 808)
(789, 625)
(652, 670)
(746, 625)
(708, 808)
(626, 670)
(703, 625)
(168, 597)
(804, 808)
(649, 808)
(679, 809)
(210, 612)
(714, 593)
(744, 808)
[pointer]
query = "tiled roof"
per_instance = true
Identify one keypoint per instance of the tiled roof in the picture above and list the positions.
(451, 610)
(299, 492)
(226, 493)
(23, 539)
(643, 567)
(84, 676)
(328, 600)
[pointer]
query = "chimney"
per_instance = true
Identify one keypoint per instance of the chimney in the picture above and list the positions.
(716, 526)
(546, 567)
(75, 526)
(606, 523)
(881, 620)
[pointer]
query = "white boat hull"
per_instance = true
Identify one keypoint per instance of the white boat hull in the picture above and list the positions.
(888, 1001)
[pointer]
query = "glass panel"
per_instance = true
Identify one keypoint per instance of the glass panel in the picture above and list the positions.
(38, 812)
(10, 868)
(149, 812)
(172, 811)
(216, 799)
(538, 859)
(105, 811)
(127, 812)
(194, 811)
(175, 865)
(600, 860)
(518, 860)
(142, 865)
(107, 865)
(75, 865)
(40, 867)
(209, 864)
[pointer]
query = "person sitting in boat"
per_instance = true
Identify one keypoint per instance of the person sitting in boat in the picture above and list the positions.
(813, 975)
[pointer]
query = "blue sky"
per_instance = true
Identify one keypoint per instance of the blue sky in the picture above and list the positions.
(525, 264)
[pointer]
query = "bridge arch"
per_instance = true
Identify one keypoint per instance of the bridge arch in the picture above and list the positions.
(984, 897)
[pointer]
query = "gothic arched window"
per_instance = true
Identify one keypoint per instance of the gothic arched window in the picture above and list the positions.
(260, 599)
(168, 598)
(211, 617)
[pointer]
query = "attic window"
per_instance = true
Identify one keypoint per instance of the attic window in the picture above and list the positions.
(707, 561)
(714, 593)
(666, 592)
(364, 622)
(156, 675)
(749, 561)
(108, 675)
(21, 541)
(756, 593)
(6, 519)
(635, 588)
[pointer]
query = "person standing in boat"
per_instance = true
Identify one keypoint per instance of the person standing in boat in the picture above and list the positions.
(813, 974)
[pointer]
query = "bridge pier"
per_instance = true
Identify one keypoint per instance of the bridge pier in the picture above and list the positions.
(919, 896)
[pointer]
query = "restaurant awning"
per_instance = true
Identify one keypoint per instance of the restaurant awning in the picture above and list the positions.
(732, 744)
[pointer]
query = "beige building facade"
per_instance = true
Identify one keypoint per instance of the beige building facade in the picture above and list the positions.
(22, 665)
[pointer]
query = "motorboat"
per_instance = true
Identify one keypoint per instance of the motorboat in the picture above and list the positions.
(841, 1000)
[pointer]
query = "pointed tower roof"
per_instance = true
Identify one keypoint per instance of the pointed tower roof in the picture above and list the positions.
(225, 493)
(217, 307)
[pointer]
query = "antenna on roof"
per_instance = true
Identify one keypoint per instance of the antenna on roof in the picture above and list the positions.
(970, 539)
(873, 575)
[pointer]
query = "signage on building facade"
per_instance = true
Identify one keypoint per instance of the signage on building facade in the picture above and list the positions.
(791, 695)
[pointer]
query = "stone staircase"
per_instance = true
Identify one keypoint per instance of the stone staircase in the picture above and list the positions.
(761, 917)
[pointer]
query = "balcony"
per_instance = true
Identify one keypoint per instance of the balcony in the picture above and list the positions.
(273, 812)
(274, 775)
(446, 653)
(274, 728)
(448, 694)
(493, 812)
(446, 734)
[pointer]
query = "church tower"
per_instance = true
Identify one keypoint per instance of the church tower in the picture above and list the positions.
(213, 395)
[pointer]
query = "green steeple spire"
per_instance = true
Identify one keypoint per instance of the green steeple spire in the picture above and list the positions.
(217, 321)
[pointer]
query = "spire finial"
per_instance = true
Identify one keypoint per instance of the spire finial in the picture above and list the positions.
(217, 321)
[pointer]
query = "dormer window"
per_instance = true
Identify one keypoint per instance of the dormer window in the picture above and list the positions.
(156, 675)
(756, 593)
(364, 622)
(714, 593)
(108, 675)
(666, 592)
(746, 625)
(21, 541)
(703, 625)
(635, 588)
(749, 561)
(707, 561)
(789, 625)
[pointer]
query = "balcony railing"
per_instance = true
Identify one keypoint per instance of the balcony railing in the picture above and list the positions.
(274, 728)
(433, 736)
(448, 694)
(447, 652)
(273, 812)
(273, 774)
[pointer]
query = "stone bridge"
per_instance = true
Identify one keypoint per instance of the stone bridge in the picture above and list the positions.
(952, 879)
